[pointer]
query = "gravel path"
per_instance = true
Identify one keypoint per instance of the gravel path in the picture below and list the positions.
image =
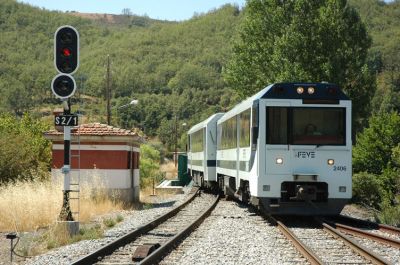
(233, 234)
(70, 253)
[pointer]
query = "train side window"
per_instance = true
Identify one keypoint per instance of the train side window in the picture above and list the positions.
(277, 125)
(197, 141)
(244, 120)
(228, 134)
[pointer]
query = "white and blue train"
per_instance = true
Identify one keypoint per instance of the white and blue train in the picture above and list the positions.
(288, 147)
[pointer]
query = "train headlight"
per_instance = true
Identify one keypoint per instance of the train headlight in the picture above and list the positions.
(331, 162)
(279, 161)
(300, 90)
(310, 90)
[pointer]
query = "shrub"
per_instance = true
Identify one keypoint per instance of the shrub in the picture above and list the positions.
(373, 152)
(390, 214)
(149, 165)
(24, 153)
(367, 189)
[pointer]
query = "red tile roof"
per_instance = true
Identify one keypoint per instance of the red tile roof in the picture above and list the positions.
(96, 129)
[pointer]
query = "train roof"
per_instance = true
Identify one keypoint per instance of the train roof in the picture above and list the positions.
(204, 123)
(322, 92)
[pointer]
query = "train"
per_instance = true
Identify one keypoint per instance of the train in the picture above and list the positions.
(288, 149)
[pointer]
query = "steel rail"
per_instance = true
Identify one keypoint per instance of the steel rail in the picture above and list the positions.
(363, 251)
(382, 227)
(163, 250)
(298, 244)
(131, 236)
(304, 250)
(365, 234)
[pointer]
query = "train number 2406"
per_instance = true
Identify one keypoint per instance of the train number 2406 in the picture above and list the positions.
(339, 168)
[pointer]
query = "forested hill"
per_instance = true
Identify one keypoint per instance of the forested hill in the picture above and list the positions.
(174, 69)
(170, 67)
(383, 24)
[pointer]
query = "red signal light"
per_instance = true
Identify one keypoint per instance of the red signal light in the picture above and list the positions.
(66, 52)
(332, 90)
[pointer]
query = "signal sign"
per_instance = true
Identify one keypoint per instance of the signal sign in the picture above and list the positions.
(63, 86)
(66, 49)
(66, 120)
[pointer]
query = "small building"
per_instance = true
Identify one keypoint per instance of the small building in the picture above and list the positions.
(105, 155)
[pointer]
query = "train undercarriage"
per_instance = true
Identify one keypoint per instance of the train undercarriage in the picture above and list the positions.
(297, 198)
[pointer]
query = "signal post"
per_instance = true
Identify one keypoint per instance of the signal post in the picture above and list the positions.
(63, 86)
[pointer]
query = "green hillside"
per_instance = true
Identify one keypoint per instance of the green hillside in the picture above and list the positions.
(170, 67)
(383, 23)
(174, 69)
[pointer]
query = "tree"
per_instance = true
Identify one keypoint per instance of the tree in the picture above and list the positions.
(302, 41)
(375, 148)
(24, 153)
(149, 164)
(126, 12)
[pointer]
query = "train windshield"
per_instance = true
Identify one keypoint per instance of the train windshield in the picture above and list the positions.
(306, 126)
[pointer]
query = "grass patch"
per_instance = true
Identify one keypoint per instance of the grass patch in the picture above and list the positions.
(147, 206)
(89, 233)
(55, 236)
(120, 218)
(58, 235)
(109, 222)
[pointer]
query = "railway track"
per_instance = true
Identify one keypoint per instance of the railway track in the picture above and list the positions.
(390, 231)
(321, 243)
(383, 239)
(234, 234)
(149, 243)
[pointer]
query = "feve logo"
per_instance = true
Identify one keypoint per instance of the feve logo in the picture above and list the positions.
(305, 154)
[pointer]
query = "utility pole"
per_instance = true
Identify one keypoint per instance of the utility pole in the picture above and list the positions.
(66, 213)
(176, 140)
(108, 91)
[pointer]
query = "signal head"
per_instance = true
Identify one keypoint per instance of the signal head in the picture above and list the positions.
(66, 50)
(63, 86)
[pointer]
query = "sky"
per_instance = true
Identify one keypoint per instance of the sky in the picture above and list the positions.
(158, 9)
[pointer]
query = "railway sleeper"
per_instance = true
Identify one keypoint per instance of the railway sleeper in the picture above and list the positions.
(143, 251)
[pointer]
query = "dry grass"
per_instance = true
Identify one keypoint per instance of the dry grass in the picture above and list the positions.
(146, 196)
(170, 171)
(30, 206)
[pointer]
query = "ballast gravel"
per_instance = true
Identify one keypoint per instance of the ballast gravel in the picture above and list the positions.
(388, 252)
(71, 253)
(233, 234)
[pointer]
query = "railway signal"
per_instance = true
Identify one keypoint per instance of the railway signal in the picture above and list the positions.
(63, 86)
(66, 49)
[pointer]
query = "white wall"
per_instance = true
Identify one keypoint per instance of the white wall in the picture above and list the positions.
(103, 178)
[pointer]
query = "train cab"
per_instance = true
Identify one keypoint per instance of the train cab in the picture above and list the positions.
(304, 149)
